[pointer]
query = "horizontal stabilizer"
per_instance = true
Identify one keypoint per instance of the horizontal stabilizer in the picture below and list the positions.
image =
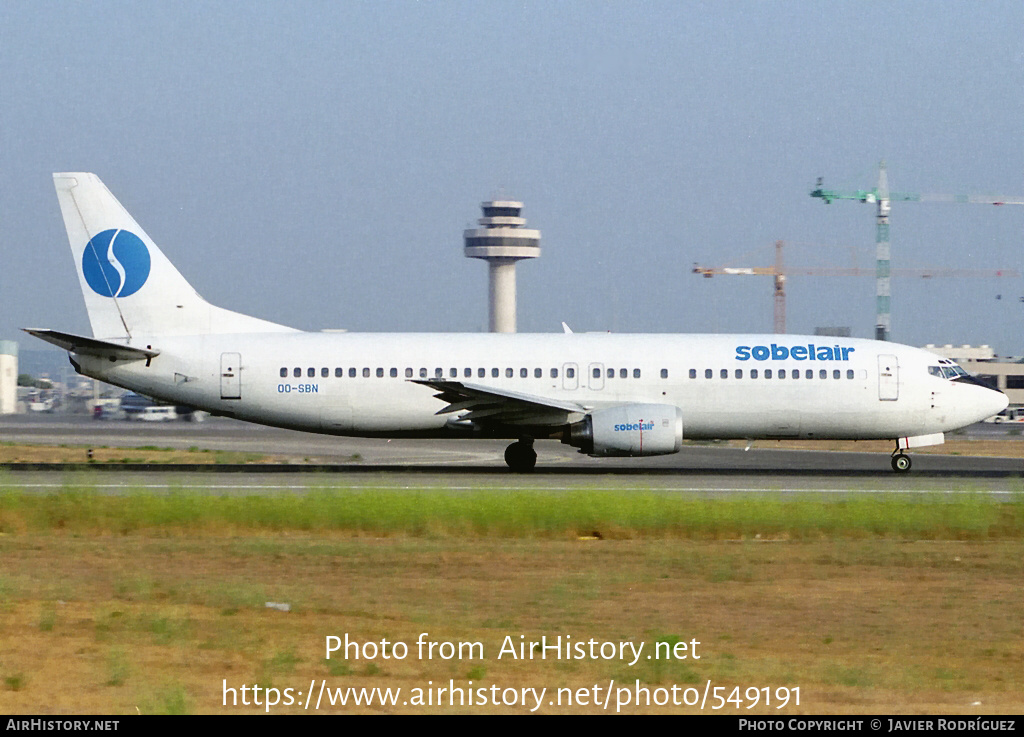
(92, 346)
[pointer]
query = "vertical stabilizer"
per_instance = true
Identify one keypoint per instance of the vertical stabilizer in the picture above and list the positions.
(130, 288)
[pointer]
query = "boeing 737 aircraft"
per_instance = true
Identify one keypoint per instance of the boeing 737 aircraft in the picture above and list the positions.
(608, 395)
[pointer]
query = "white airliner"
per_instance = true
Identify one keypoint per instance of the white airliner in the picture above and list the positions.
(608, 395)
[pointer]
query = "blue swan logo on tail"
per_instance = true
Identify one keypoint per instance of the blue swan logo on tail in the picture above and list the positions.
(116, 263)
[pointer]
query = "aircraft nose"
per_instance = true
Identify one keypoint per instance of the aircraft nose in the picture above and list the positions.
(993, 402)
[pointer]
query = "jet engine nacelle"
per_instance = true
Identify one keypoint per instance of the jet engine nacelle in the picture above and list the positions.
(629, 430)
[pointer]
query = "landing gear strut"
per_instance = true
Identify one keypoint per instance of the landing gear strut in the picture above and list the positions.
(900, 461)
(520, 456)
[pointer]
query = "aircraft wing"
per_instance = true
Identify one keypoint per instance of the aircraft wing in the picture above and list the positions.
(92, 346)
(485, 405)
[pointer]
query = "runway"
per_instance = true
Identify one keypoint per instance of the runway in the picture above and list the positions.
(307, 461)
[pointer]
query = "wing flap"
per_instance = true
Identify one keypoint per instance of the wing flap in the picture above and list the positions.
(485, 405)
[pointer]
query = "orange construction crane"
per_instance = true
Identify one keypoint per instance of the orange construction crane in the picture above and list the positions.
(780, 272)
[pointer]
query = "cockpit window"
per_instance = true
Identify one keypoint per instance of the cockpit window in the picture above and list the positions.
(947, 371)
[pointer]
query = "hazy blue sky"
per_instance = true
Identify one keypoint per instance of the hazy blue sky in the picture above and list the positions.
(315, 163)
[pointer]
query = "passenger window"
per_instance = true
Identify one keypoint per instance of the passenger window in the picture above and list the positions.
(338, 373)
(423, 373)
(538, 373)
(468, 373)
(623, 373)
(495, 373)
(708, 373)
(767, 373)
(394, 373)
(380, 373)
(284, 373)
(311, 372)
(352, 372)
(508, 373)
(724, 373)
(664, 373)
(636, 373)
(849, 373)
(835, 374)
(524, 373)
(554, 373)
(325, 372)
(408, 373)
(297, 372)
(366, 373)
(782, 373)
(823, 374)
(439, 373)
(809, 374)
(753, 374)
(796, 373)
(597, 373)
(693, 373)
(570, 373)
(481, 372)
(453, 373)
(739, 373)
(611, 373)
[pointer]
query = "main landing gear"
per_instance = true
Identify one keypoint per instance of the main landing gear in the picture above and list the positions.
(520, 456)
(900, 461)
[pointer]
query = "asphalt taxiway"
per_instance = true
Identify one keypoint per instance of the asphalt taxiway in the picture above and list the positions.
(309, 461)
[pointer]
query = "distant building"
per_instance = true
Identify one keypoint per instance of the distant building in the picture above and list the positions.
(961, 353)
(840, 332)
(8, 377)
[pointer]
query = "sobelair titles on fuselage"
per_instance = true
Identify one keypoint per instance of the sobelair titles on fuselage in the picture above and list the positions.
(606, 394)
(809, 352)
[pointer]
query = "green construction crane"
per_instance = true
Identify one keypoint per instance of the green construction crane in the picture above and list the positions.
(883, 197)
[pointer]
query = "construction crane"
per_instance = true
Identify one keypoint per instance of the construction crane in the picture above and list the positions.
(884, 198)
(779, 271)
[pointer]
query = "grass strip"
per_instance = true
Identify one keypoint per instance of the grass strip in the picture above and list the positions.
(439, 513)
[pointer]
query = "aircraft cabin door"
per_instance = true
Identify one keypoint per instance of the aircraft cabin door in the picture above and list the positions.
(597, 376)
(888, 378)
(230, 375)
(570, 378)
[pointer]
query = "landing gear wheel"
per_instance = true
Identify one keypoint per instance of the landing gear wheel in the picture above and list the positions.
(521, 457)
(900, 463)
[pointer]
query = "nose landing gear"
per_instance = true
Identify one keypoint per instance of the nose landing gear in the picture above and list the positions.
(900, 461)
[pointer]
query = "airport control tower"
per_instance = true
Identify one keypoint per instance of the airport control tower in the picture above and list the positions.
(501, 241)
